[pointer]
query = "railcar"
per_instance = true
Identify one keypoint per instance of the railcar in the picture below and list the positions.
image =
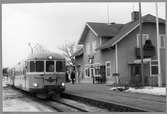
(42, 73)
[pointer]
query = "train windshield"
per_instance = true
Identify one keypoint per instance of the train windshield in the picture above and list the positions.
(49, 66)
(60, 66)
(36, 66)
(39, 66)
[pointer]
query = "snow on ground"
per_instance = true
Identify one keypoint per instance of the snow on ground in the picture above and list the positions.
(161, 91)
(149, 90)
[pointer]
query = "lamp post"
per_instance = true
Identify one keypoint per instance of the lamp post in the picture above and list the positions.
(29, 44)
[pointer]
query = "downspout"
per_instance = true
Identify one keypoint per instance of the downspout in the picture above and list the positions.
(116, 58)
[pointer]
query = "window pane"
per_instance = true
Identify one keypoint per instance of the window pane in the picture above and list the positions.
(162, 37)
(108, 71)
(97, 71)
(154, 69)
(60, 66)
(49, 66)
(32, 66)
(39, 66)
(144, 38)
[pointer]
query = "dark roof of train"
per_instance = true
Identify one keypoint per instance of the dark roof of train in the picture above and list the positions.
(46, 56)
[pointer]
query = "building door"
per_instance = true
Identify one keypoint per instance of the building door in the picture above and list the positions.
(92, 72)
(135, 71)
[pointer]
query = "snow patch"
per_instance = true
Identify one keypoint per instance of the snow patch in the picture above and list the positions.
(161, 91)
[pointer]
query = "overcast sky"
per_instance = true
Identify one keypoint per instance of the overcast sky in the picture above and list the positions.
(53, 24)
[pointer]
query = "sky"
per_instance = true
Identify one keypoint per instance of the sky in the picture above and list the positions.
(54, 24)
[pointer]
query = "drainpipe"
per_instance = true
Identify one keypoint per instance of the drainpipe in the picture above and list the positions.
(116, 57)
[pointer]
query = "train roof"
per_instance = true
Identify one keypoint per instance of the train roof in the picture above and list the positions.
(45, 56)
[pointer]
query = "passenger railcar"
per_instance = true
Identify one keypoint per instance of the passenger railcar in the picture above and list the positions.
(40, 74)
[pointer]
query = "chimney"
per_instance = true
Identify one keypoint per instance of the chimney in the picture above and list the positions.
(135, 15)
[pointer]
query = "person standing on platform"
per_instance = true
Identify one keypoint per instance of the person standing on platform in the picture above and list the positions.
(73, 76)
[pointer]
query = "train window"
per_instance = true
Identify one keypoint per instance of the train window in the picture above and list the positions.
(39, 66)
(32, 66)
(49, 66)
(60, 66)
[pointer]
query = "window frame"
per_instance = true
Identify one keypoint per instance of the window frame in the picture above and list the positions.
(45, 66)
(28, 67)
(143, 36)
(151, 74)
(56, 64)
(107, 67)
(162, 36)
(87, 71)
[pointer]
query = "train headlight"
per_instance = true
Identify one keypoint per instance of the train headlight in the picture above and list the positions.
(50, 57)
(35, 84)
(63, 84)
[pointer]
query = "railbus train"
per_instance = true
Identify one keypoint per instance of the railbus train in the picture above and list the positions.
(40, 74)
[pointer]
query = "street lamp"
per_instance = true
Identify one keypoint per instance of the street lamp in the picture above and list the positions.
(29, 44)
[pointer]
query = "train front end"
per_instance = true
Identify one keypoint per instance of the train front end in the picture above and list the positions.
(46, 76)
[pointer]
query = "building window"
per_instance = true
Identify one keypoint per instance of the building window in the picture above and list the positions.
(154, 68)
(87, 74)
(97, 70)
(144, 38)
(108, 68)
(162, 40)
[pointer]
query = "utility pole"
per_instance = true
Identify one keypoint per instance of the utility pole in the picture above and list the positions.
(158, 46)
(141, 44)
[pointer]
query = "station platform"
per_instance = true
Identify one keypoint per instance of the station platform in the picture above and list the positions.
(102, 93)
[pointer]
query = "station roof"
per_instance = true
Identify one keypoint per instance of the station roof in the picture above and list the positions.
(128, 28)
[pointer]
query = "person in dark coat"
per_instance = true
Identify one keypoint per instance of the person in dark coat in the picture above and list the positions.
(67, 80)
(73, 76)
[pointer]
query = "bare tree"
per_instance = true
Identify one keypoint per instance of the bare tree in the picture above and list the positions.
(68, 50)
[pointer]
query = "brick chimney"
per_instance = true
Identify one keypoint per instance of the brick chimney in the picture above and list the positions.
(135, 15)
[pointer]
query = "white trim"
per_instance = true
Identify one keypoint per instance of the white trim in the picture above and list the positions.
(162, 35)
(144, 60)
(106, 67)
(153, 75)
(125, 35)
(92, 29)
(116, 58)
(100, 41)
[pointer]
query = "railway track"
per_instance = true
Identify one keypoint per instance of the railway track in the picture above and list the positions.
(62, 104)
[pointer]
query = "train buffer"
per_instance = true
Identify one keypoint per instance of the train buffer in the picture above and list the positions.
(100, 94)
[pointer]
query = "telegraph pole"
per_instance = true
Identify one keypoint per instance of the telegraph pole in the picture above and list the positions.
(158, 47)
(141, 44)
